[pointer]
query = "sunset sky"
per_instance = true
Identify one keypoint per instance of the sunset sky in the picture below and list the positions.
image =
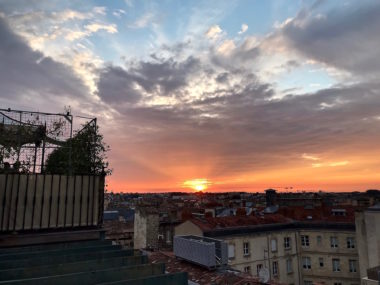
(216, 95)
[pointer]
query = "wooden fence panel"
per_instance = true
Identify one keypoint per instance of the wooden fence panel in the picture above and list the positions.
(44, 201)
(96, 201)
(45, 207)
(23, 184)
(54, 206)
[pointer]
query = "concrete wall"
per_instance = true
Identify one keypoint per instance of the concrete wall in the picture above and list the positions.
(153, 223)
(146, 229)
(187, 228)
(368, 237)
(140, 231)
(366, 281)
(44, 201)
(372, 220)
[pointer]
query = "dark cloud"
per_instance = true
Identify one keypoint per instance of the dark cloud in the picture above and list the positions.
(222, 77)
(116, 86)
(158, 78)
(246, 52)
(175, 49)
(346, 38)
(290, 65)
(169, 75)
(24, 71)
(240, 127)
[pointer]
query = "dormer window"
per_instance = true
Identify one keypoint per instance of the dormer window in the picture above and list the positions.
(338, 212)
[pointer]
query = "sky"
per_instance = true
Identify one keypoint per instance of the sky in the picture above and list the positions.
(217, 95)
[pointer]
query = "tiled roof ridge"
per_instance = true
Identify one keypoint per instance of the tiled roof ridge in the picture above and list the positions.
(236, 222)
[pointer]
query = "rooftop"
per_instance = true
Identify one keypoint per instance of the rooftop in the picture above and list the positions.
(199, 274)
(374, 208)
(284, 215)
(209, 223)
(285, 218)
(320, 214)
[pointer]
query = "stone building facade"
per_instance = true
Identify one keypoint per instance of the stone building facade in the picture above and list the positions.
(293, 253)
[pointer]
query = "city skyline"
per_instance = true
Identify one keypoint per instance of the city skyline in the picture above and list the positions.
(203, 96)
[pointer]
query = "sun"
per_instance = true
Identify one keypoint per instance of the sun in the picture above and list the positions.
(200, 184)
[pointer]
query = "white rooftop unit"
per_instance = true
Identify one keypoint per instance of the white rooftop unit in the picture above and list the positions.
(207, 252)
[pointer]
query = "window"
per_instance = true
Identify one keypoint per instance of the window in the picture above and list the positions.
(319, 240)
(350, 242)
(308, 282)
(289, 266)
(168, 237)
(231, 251)
(321, 263)
(305, 241)
(336, 264)
(352, 265)
(258, 268)
(275, 268)
(306, 262)
(334, 242)
(287, 243)
(273, 244)
(247, 269)
(245, 248)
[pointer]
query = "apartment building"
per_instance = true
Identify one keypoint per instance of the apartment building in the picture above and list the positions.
(317, 247)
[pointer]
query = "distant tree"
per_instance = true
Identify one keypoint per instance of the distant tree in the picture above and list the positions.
(84, 153)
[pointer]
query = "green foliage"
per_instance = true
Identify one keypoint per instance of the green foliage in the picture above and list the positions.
(85, 153)
(12, 139)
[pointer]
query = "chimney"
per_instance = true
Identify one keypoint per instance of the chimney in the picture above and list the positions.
(270, 197)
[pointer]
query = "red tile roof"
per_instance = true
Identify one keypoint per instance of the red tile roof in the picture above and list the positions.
(209, 223)
(212, 204)
(283, 216)
(319, 214)
(199, 274)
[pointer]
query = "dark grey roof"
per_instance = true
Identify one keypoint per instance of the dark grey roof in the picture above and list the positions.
(374, 208)
(111, 215)
(271, 209)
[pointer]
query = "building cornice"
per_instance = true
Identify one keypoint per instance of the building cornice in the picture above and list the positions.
(279, 227)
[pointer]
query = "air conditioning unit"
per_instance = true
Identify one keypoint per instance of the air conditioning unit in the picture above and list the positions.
(207, 252)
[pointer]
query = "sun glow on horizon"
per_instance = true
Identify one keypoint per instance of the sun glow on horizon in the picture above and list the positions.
(197, 184)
